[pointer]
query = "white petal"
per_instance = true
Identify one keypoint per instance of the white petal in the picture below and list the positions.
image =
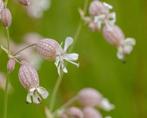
(120, 54)
(36, 99)
(130, 41)
(128, 45)
(43, 92)
(112, 18)
(106, 105)
(108, 6)
(71, 56)
(128, 49)
(29, 98)
(64, 69)
(99, 20)
(72, 62)
(68, 42)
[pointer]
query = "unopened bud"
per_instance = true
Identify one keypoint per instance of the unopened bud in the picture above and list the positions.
(47, 48)
(25, 2)
(11, 65)
(90, 112)
(89, 97)
(6, 17)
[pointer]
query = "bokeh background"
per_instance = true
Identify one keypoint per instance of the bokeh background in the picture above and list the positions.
(125, 85)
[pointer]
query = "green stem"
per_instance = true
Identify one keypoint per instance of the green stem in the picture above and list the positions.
(59, 80)
(6, 97)
(19, 51)
(55, 90)
(67, 104)
(79, 29)
(8, 37)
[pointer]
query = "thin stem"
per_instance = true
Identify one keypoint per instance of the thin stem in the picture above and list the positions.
(79, 28)
(59, 80)
(68, 103)
(55, 90)
(8, 38)
(19, 51)
(6, 97)
(6, 3)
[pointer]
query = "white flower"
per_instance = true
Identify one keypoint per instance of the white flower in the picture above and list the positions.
(103, 19)
(37, 7)
(126, 48)
(62, 56)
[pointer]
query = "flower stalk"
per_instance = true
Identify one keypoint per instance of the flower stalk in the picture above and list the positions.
(60, 77)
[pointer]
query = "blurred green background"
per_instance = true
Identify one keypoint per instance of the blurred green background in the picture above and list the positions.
(125, 85)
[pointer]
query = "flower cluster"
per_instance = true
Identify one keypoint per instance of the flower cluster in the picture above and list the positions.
(35, 48)
(90, 100)
(102, 18)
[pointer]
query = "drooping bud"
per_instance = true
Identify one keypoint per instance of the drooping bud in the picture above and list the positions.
(47, 48)
(25, 2)
(11, 65)
(113, 35)
(6, 17)
(29, 79)
(90, 112)
(89, 97)
(74, 112)
(97, 8)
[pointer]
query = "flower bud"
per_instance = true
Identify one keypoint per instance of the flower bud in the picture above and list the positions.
(25, 2)
(98, 8)
(1, 6)
(29, 79)
(11, 65)
(89, 97)
(47, 48)
(113, 35)
(6, 17)
(90, 112)
(74, 112)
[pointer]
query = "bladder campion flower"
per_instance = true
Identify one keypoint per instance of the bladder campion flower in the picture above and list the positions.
(99, 14)
(114, 35)
(29, 79)
(63, 55)
(52, 50)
